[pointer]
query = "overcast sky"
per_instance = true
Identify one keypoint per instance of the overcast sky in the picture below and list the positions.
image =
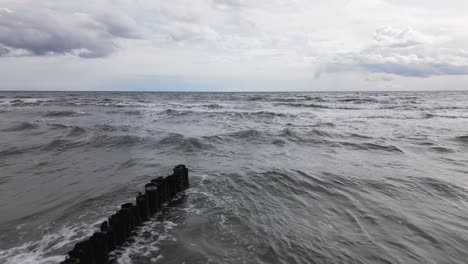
(234, 45)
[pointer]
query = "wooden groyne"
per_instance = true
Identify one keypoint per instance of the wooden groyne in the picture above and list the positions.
(120, 226)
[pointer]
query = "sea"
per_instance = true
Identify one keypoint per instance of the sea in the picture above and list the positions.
(299, 177)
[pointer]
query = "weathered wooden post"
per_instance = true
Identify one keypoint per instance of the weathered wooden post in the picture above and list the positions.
(83, 252)
(105, 228)
(136, 215)
(100, 250)
(152, 193)
(172, 183)
(142, 203)
(126, 222)
(162, 190)
(181, 173)
(131, 215)
(115, 222)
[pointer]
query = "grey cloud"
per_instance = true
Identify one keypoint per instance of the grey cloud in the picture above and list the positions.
(401, 52)
(228, 3)
(45, 32)
(417, 70)
(119, 25)
(3, 50)
(181, 32)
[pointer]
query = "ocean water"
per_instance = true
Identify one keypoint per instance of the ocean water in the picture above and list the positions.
(371, 177)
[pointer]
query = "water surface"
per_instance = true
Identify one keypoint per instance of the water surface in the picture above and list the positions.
(275, 177)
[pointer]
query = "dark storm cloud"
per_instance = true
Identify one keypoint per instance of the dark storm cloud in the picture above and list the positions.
(44, 32)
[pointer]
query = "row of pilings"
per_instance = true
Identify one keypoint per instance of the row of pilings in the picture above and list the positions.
(120, 226)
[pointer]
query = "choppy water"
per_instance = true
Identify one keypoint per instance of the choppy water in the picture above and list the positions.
(275, 177)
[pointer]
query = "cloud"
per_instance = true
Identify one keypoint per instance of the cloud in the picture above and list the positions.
(403, 52)
(181, 32)
(403, 38)
(44, 32)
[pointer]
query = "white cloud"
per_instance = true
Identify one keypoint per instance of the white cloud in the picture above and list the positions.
(402, 38)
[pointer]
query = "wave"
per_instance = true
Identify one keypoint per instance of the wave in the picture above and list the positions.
(182, 143)
(21, 127)
(63, 113)
(246, 134)
(172, 112)
(299, 99)
(311, 136)
(430, 115)
(440, 149)
(106, 141)
(293, 136)
(287, 100)
(133, 112)
(443, 188)
(322, 133)
(317, 106)
(355, 135)
(256, 98)
(432, 186)
(12, 151)
(112, 128)
(463, 139)
(212, 106)
(233, 114)
(4, 179)
(76, 131)
(372, 146)
(58, 126)
(20, 103)
(129, 112)
(61, 145)
(359, 100)
(260, 114)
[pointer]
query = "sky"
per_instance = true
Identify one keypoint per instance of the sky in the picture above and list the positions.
(234, 45)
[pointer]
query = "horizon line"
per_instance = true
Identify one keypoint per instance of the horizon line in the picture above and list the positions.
(259, 91)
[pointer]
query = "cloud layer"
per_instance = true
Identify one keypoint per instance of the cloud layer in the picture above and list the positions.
(403, 52)
(45, 32)
(304, 42)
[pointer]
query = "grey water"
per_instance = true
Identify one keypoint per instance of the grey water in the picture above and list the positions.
(354, 177)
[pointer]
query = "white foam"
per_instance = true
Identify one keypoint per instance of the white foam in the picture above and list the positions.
(42, 251)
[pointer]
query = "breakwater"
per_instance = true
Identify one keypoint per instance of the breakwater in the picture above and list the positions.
(120, 226)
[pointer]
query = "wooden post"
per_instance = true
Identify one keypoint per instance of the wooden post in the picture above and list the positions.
(115, 222)
(105, 228)
(162, 190)
(151, 190)
(181, 173)
(99, 243)
(142, 203)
